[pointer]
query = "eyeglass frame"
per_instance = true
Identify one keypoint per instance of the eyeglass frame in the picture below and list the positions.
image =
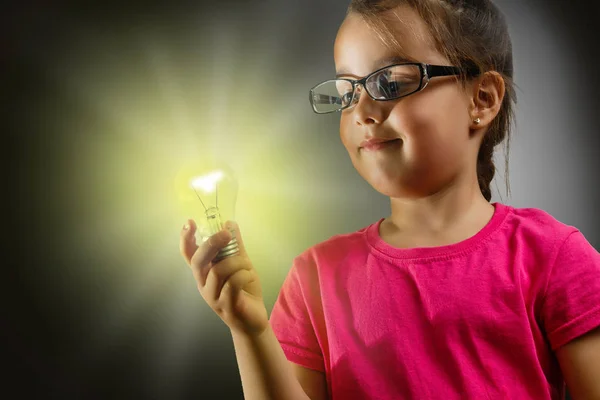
(428, 71)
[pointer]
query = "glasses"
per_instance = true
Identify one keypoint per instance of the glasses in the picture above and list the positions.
(388, 83)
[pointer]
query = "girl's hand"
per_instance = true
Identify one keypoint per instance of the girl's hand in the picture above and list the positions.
(231, 286)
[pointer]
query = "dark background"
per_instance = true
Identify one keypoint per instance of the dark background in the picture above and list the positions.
(47, 328)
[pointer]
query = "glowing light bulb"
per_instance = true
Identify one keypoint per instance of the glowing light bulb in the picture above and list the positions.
(210, 194)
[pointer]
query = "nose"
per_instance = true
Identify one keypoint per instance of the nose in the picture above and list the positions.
(366, 110)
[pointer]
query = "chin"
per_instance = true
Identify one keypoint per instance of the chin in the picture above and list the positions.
(398, 191)
(386, 185)
(391, 191)
(397, 184)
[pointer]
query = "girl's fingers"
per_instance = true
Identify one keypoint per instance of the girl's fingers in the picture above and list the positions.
(187, 241)
(218, 275)
(211, 278)
(233, 286)
(202, 258)
(238, 281)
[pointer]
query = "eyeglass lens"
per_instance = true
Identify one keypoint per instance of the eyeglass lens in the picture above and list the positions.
(387, 84)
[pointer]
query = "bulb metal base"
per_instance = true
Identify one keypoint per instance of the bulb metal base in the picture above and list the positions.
(215, 224)
(231, 249)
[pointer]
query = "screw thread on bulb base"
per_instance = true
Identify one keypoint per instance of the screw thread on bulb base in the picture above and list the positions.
(231, 249)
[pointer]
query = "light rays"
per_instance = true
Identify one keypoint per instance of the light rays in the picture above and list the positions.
(171, 89)
(221, 87)
(164, 109)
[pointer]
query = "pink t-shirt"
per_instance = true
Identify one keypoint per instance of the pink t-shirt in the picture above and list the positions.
(477, 319)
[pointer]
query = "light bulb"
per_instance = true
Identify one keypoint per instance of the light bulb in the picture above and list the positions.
(209, 194)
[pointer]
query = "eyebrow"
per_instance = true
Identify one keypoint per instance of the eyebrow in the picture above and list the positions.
(379, 64)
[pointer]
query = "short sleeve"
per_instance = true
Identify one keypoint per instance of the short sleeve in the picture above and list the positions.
(572, 299)
(294, 320)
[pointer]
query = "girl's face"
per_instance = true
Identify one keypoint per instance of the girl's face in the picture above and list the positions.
(432, 125)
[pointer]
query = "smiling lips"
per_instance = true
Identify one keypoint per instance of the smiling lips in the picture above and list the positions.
(378, 143)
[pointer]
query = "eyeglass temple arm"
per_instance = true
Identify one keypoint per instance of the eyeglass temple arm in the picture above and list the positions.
(441, 70)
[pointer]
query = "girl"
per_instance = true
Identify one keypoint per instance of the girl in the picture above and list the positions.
(448, 297)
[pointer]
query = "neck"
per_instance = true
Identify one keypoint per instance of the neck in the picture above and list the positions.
(459, 206)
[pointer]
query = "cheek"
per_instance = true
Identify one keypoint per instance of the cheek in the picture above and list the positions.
(351, 136)
(431, 121)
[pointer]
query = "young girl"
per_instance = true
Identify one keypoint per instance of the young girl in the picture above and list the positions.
(450, 296)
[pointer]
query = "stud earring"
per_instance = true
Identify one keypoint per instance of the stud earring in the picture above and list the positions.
(476, 121)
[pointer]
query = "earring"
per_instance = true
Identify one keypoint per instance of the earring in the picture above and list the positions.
(476, 121)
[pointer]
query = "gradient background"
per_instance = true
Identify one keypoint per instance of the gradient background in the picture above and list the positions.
(103, 105)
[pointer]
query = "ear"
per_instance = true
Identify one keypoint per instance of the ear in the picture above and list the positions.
(487, 94)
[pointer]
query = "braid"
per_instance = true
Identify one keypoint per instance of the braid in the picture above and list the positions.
(485, 166)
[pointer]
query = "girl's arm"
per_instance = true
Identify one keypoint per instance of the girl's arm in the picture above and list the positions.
(580, 364)
(231, 287)
(265, 371)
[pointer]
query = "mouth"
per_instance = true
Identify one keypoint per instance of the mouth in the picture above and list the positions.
(380, 145)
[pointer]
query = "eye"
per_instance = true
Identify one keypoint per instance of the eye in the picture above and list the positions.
(384, 86)
(394, 84)
(347, 98)
(383, 79)
(344, 91)
(394, 88)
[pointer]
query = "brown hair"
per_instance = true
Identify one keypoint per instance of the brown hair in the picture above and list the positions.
(470, 34)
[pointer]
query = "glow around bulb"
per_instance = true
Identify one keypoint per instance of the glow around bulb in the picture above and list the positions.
(209, 194)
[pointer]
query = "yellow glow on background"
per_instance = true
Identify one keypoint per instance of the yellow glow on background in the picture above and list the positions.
(135, 106)
(149, 118)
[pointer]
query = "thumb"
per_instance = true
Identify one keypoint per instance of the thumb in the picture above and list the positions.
(234, 228)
